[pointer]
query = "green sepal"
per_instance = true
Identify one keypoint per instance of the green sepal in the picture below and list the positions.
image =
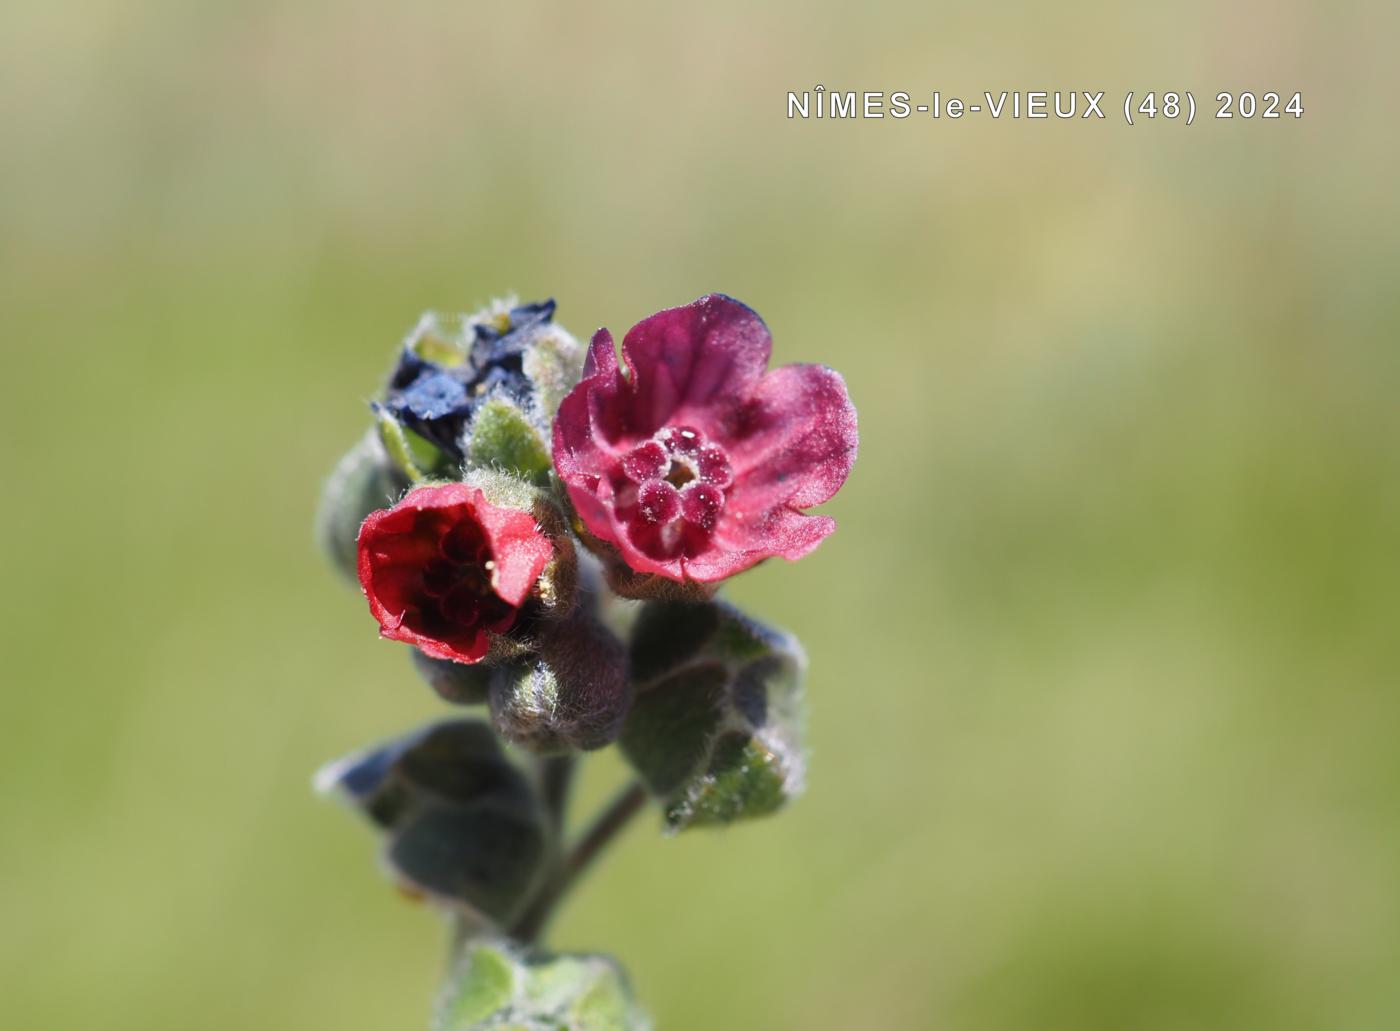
(434, 341)
(715, 728)
(553, 363)
(501, 436)
(363, 480)
(416, 457)
(496, 985)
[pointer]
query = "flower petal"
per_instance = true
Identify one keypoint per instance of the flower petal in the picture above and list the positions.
(397, 546)
(684, 361)
(736, 547)
(590, 419)
(520, 551)
(793, 441)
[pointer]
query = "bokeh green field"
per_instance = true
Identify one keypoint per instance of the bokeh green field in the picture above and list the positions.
(1105, 682)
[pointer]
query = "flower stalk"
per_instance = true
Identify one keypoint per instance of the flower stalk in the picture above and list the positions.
(611, 821)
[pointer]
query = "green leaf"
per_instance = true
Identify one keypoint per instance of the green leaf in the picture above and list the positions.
(743, 779)
(496, 985)
(502, 436)
(670, 729)
(485, 985)
(667, 634)
(715, 730)
(462, 824)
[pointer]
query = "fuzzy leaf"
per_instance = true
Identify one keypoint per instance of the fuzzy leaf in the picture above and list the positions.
(496, 985)
(462, 824)
(714, 731)
(364, 480)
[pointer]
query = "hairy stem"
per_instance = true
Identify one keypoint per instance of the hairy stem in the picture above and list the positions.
(605, 826)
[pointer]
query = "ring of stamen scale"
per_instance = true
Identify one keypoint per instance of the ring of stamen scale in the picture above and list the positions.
(676, 485)
(455, 587)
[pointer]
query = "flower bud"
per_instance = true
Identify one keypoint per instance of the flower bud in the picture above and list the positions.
(573, 694)
(462, 824)
(362, 481)
(454, 682)
(449, 368)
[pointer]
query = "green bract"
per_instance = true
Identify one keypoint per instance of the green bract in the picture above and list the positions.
(416, 459)
(462, 824)
(501, 436)
(715, 728)
(498, 986)
(364, 480)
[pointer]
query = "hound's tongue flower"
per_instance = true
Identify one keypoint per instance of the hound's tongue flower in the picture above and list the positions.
(444, 567)
(696, 464)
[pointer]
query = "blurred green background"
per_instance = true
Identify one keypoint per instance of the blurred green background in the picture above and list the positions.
(1104, 654)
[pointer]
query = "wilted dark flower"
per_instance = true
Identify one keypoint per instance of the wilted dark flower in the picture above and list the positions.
(435, 390)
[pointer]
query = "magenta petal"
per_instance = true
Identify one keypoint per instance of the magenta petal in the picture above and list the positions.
(794, 441)
(671, 567)
(591, 417)
(785, 533)
(694, 405)
(594, 506)
(691, 359)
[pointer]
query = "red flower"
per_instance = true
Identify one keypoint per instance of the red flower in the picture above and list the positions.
(696, 463)
(444, 566)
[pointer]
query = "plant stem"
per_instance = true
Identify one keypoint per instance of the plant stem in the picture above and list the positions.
(605, 826)
(556, 780)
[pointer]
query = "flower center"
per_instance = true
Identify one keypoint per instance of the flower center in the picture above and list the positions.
(677, 487)
(455, 583)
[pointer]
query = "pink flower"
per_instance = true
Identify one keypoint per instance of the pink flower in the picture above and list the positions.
(444, 567)
(695, 464)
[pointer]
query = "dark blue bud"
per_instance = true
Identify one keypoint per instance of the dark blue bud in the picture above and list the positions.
(523, 319)
(433, 395)
(437, 400)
